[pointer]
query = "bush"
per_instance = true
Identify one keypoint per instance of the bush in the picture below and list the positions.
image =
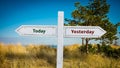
(109, 51)
(91, 49)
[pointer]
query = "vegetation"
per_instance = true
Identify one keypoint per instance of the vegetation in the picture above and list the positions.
(40, 56)
(98, 57)
(31, 56)
(94, 14)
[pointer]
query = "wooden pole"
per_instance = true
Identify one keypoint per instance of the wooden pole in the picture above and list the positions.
(60, 39)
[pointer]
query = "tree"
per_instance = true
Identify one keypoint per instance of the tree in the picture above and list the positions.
(94, 14)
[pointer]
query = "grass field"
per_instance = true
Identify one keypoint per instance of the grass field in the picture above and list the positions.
(40, 56)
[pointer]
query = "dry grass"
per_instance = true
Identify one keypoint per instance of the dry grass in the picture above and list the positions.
(31, 56)
(73, 47)
(92, 61)
(40, 56)
(114, 46)
(74, 59)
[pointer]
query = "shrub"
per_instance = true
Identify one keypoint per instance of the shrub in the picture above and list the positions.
(109, 51)
(91, 49)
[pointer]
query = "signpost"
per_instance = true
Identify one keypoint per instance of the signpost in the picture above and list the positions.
(60, 40)
(84, 31)
(37, 30)
(60, 32)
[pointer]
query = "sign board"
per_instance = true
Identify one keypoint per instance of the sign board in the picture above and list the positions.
(69, 31)
(84, 31)
(37, 30)
(61, 32)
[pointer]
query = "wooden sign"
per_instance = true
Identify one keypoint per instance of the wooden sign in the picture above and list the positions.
(60, 31)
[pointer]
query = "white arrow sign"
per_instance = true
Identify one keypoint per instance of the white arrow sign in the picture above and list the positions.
(84, 31)
(68, 31)
(37, 30)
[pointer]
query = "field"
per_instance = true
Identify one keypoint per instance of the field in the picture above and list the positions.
(40, 56)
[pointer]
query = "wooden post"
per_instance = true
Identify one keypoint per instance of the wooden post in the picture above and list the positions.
(60, 39)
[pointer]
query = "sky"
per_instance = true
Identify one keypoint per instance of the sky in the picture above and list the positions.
(14, 13)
